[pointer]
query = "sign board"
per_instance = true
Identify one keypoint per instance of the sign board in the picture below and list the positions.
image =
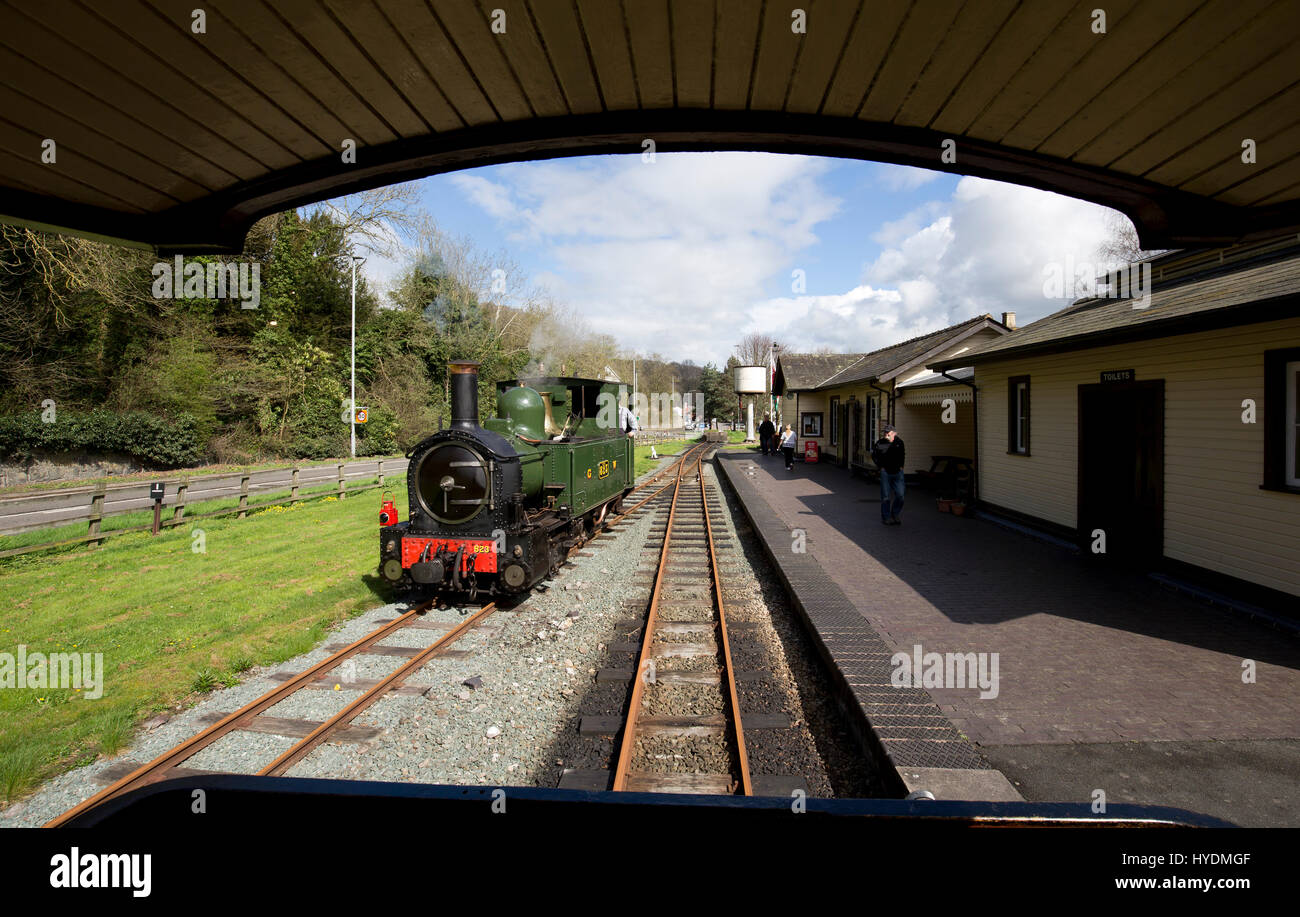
(156, 492)
(1117, 375)
(362, 415)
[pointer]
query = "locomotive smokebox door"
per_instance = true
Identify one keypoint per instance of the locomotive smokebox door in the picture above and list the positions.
(156, 492)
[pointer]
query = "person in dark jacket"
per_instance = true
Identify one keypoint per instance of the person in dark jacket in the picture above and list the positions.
(889, 454)
(766, 431)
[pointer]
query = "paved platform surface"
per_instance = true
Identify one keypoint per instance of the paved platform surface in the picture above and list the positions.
(1091, 660)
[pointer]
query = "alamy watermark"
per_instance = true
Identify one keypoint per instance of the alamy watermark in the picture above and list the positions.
(82, 672)
(1085, 280)
(946, 670)
(216, 280)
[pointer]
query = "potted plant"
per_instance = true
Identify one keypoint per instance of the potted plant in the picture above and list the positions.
(959, 508)
(946, 503)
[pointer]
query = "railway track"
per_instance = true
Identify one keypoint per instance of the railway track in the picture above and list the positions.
(251, 716)
(682, 730)
(651, 496)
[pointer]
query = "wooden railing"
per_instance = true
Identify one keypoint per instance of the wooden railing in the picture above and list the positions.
(95, 534)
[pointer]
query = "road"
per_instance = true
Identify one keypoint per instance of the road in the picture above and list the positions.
(72, 504)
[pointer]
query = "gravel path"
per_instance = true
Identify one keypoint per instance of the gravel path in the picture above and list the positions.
(537, 665)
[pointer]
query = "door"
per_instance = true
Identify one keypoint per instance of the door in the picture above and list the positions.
(854, 430)
(1121, 471)
(842, 450)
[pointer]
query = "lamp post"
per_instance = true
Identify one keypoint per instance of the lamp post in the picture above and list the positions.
(352, 425)
(771, 392)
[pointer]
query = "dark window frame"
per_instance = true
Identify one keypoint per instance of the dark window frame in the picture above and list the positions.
(834, 424)
(1013, 415)
(1275, 419)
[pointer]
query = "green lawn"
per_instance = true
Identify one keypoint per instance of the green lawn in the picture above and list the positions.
(645, 463)
(173, 623)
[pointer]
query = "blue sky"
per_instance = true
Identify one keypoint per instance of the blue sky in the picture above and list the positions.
(687, 254)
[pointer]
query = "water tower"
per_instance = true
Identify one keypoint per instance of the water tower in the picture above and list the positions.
(750, 380)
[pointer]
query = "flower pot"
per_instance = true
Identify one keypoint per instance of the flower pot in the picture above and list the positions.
(959, 509)
(945, 506)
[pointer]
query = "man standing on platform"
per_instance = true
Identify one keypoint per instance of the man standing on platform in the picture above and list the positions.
(766, 431)
(888, 454)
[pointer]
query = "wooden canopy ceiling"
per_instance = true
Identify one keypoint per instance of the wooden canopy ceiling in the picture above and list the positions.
(180, 140)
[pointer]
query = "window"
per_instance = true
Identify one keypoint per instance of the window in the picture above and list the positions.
(1018, 415)
(810, 424)
(835, 421)
(1282, 419)
(873, 421)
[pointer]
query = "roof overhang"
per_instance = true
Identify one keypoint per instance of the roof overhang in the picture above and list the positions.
(1267, 310)
(180, 141)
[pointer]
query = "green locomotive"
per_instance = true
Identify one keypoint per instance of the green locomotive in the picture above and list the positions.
(494, 508)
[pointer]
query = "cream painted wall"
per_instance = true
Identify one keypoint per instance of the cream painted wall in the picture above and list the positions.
(925, 434)
(1215, 515)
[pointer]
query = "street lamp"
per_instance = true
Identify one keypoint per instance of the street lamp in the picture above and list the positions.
(356, 259)
(771, 393)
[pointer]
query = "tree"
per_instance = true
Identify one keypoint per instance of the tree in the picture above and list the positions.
(719, 394)
(1121, 245)
(375, 221)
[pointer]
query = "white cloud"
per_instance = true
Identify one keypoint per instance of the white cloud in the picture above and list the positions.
(983, 251)
(666, 256)
(893, 177)
(681, 256)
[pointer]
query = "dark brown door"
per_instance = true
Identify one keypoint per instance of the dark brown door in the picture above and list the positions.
(842, 450)
(855, 432)
(1121, 470)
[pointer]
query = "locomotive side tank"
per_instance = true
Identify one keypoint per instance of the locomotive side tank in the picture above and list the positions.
(495, 507)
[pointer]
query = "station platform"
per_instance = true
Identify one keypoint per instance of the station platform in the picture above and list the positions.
(1106, 680)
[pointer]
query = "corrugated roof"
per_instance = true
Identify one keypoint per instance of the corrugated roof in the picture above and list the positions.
(1256, 293)
(926, 380)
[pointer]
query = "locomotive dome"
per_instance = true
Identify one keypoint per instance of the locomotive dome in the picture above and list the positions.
(523, 407)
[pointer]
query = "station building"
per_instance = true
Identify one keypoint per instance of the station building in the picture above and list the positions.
(1171, 428)
(840, 401)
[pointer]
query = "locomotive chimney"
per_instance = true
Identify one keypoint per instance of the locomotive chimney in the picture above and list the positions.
(464, 393)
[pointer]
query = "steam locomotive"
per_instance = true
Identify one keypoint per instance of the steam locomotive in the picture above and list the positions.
(495, 508)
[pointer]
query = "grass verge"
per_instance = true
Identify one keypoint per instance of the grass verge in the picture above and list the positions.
(175, 616)
(645, 463)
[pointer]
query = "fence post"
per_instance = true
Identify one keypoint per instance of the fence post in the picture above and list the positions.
(342, 495)
(381, 474)
(293, 494)
(243, 495)
(97, 511)
(179, 513)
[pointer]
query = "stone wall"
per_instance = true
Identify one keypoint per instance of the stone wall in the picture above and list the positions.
(66, 466)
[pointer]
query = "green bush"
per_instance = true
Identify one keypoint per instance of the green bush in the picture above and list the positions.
(148, 438)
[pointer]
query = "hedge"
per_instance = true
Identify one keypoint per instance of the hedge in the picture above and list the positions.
(148, 438)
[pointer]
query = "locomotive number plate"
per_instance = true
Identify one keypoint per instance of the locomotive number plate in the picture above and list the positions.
(604, 469)
(479, 555)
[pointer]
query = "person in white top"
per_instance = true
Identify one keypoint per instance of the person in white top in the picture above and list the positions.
(788, 442)
(627, 421)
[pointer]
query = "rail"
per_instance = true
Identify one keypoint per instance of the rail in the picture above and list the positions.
(166, 764)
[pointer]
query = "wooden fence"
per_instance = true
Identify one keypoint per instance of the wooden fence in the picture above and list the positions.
(94, 536)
